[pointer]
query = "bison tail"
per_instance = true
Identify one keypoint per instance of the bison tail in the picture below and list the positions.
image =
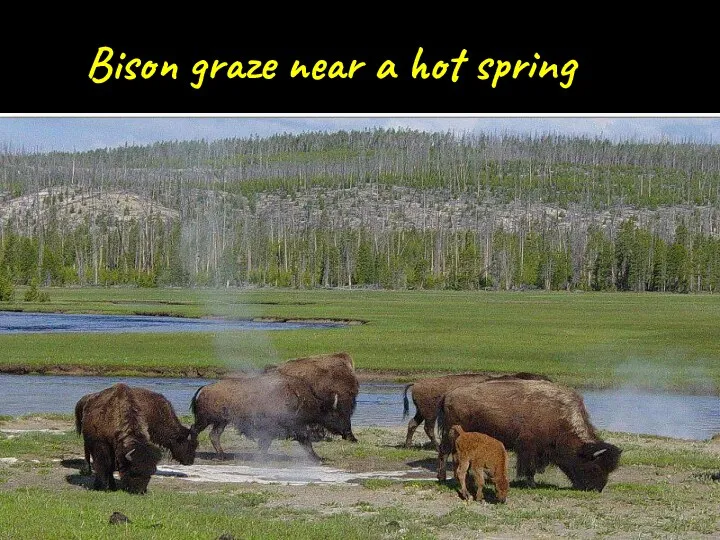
(79, 416)
(78, 421)
(440, 418)
(193, 402)
(406, 403)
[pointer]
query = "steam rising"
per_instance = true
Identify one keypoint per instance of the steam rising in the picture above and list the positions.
(644, 405)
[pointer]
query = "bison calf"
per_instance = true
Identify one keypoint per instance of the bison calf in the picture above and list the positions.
(479, 452)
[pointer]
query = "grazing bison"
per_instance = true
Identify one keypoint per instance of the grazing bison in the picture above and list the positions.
(426, 395)
(116, 437)
(264, 407)
(477, 452)
(163, 426)
(541, 421)
(332, 380)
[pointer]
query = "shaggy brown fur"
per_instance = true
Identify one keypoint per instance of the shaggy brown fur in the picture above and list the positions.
(332, 380)
(163, 424)
(479, 452)
(426, 395)
(541, 421)
(330, 389)
(116, 438)
(264, 407)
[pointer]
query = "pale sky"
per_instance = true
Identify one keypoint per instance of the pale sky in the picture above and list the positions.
(82, 133)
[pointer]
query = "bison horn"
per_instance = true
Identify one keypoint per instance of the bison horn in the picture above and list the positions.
(596, 454)
(127, 456)
(335, 402)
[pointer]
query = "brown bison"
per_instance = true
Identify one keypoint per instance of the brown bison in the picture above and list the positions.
(426, 395)
(329, 379)
(541, 421)
(478, 452)
(265, 407)
(116, 438)
(332, 379)
(155, 416)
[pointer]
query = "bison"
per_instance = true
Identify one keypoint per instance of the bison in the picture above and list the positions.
(116, 436)
(477, 452)
(426, 395)
(155, 413)
(264, 407)
(330, 380)
(541, 421)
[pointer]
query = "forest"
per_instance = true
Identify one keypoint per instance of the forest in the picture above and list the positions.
(381, 208)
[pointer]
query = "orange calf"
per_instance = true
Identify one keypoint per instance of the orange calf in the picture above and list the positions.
(477, 451)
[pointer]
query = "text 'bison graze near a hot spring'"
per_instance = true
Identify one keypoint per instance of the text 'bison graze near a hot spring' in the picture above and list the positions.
(540, 421)
(120, 426)
(293, 400)
(426, 395)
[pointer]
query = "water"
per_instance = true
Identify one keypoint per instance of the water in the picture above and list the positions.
(16, 323)
(380, 404)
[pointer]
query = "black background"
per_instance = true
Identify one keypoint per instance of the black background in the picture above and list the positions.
(608, 81)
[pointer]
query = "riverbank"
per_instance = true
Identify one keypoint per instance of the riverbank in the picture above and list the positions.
(364, 376)
(589, 340)
(663, 487)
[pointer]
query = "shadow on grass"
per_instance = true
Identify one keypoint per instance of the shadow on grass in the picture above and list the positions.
(522, 484)
(76, 463)
(426, 463)
(488, 493)
(80, 480)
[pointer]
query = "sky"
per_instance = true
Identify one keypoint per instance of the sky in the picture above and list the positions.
(87, 133)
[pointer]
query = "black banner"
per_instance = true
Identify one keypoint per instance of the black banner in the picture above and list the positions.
(122, 76)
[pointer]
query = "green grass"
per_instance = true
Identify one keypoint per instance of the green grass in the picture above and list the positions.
(584, 339)
(156, 515)
(660, 488)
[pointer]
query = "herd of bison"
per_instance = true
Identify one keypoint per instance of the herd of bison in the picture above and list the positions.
(479, 418)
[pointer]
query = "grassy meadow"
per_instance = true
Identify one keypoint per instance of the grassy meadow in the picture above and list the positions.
(663, 489)
(583, 339)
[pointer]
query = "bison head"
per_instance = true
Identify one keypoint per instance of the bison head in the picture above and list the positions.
(183, 447)
(137, 466)
(592, 466)
(336, 416)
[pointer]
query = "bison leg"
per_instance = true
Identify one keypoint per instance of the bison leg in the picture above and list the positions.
(500, 479)
(526, 464)
(441, 471)
(415, 421)
(430, 432)
(86, 468)
(215, 433)
(461, 470)
(307, 446)
(479, 475)
(264, 444)
(349, 436)
(445, 448)
(103, 464)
